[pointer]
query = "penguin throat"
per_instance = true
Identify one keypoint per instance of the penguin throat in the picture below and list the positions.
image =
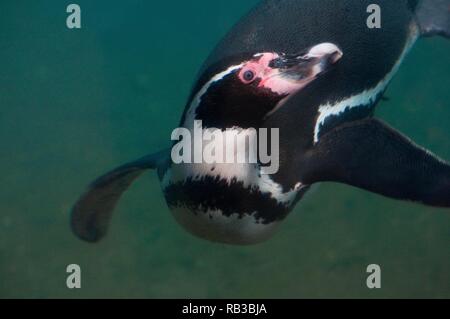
(229, 104)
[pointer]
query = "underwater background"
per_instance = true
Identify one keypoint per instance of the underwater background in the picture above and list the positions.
(76, 103)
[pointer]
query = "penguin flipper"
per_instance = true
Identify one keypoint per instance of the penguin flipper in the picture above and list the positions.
(370, 155)
(93, 211)
(434, 17)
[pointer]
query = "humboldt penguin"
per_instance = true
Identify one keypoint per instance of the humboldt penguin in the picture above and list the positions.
(315, 70)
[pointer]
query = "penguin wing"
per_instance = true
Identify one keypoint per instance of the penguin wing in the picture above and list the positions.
(93, 211)
(370, 155)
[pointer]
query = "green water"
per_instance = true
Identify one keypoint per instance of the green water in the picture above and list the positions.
(75, 103)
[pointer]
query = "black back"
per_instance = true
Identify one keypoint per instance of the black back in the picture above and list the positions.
(292, 26)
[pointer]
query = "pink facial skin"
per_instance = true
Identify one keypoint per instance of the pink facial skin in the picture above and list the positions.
(272, 78)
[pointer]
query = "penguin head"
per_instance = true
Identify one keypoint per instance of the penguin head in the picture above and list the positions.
(244, 93)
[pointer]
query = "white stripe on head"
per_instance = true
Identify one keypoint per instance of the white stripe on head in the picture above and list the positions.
(190, 117)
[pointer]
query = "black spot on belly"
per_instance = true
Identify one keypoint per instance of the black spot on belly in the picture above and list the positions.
(214, 193)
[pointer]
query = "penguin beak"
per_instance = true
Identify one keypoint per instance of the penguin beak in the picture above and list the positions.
(304, 68)
(288, 74)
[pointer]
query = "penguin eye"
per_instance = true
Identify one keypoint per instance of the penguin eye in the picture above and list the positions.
(249, 75)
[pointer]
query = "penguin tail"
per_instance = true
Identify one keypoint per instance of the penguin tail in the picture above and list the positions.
(92, 213)
(434, 17)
